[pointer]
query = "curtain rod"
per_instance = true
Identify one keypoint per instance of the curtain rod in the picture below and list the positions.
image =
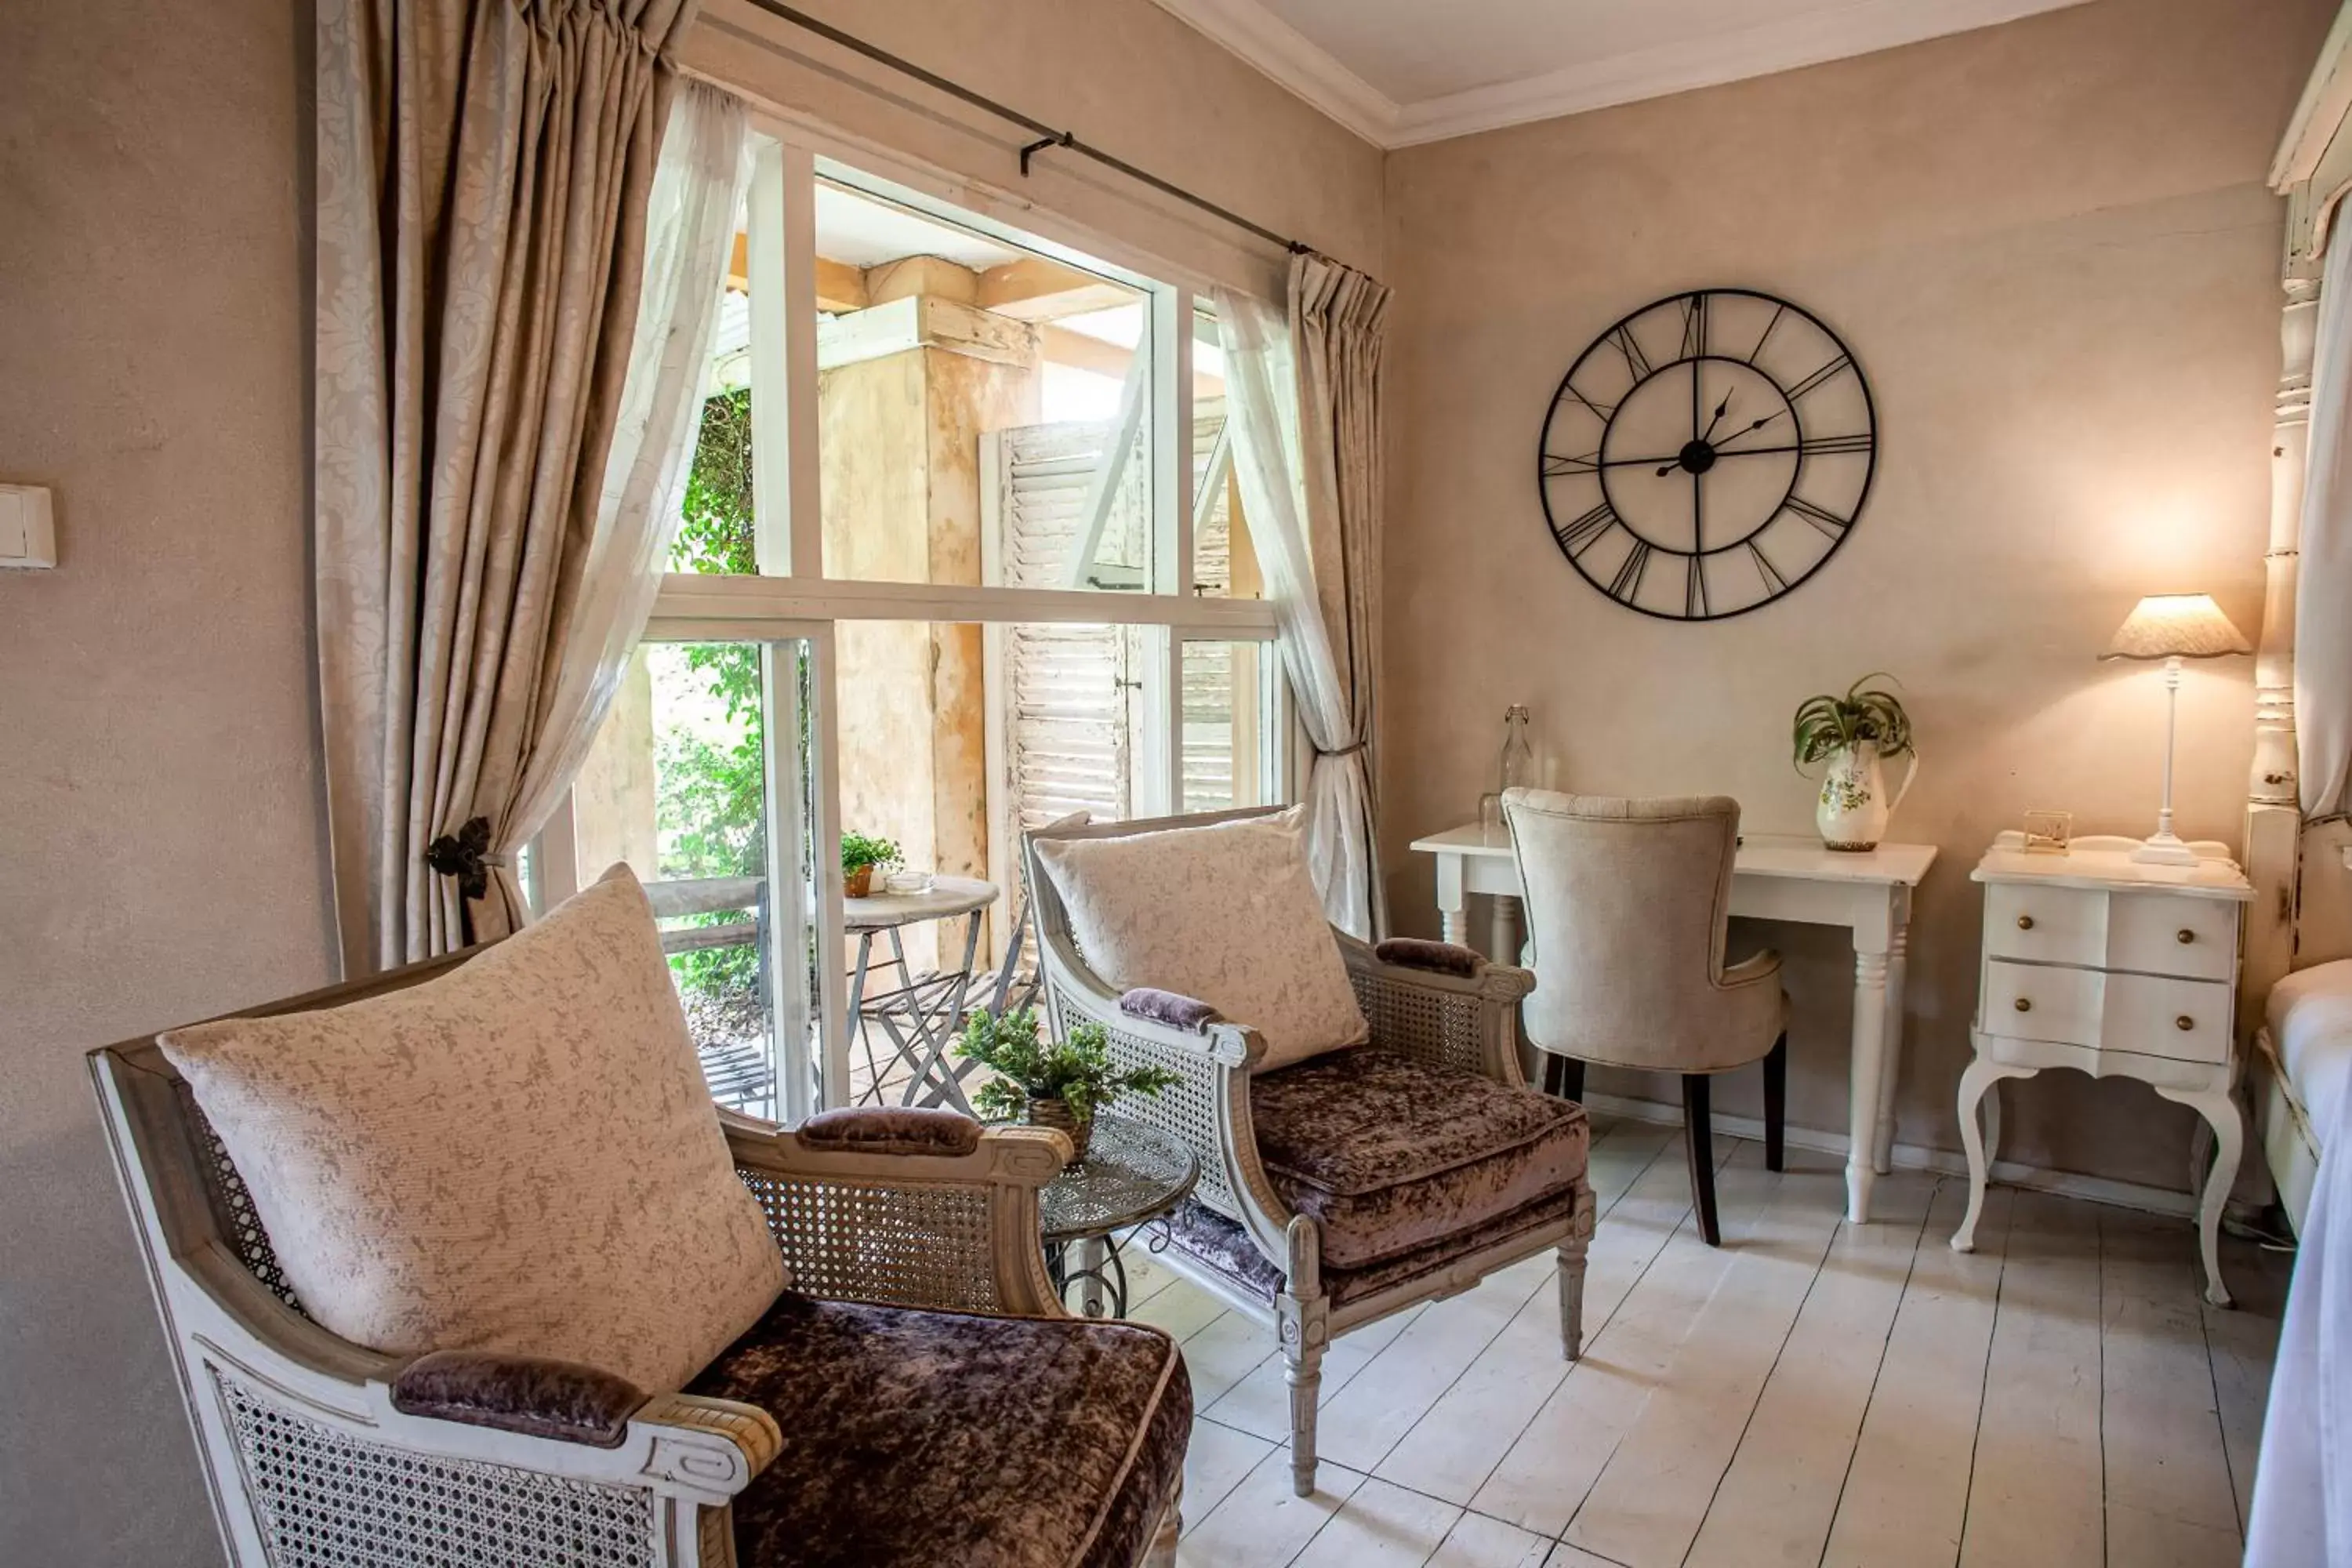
(1047, 135)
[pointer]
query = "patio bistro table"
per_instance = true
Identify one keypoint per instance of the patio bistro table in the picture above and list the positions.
(922, 1015)
(1132, 1173)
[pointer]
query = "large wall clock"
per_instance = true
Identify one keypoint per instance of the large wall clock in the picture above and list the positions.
(1708, 453)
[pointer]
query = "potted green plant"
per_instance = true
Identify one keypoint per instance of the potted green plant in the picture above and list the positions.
(859, 856)
(1061, 1084)
(1853, 734)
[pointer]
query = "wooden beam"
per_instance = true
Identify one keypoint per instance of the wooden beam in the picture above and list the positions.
(1036, 289)
(1063, 346)
(839, 287)
(923, 321)
(928, 276)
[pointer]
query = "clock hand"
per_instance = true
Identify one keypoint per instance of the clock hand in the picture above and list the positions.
(1720, 410)
(1752, 426)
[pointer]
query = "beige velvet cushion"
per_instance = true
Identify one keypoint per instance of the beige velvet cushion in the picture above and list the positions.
(516, 1156)
(1228, 913)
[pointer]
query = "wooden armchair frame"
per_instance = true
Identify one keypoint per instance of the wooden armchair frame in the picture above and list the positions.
(307, 1459)
(1465, 1022)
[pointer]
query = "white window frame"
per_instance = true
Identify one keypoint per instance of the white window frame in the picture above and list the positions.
(792, 598)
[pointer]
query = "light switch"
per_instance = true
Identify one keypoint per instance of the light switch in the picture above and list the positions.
(28, 536)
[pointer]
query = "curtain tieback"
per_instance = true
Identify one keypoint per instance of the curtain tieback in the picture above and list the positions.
(466, 854)
(1344, 750)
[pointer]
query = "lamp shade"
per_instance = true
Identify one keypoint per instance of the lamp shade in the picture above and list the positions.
(2176, 625)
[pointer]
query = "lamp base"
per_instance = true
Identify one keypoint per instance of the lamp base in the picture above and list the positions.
(2164, 849)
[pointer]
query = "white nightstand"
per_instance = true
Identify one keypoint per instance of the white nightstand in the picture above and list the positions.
(2096, 962)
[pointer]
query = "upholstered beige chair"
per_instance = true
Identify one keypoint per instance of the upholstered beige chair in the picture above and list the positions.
(1628, 902)
(1356, 1183)
(846, 1428)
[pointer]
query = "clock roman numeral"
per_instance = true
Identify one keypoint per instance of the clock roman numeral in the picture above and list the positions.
(1578, 536)
(1694, 325)
(1694, 589)
(1843, 362)
(1635, 360)
(1774, 584)
(1604, 412)
(1817, 445)
(1829, 523)
(1766, 335)
(1558, 465)
(1627, 585)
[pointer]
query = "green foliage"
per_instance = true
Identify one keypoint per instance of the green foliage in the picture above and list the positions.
(1824, 725)
(1077, 1070)
(712, 801)
(857, 850)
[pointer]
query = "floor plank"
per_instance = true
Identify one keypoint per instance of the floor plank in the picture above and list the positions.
(1477, 1542)
(1647, 1507)
(1215, 1463)
(1452, 1448)
(1180, 1307)
(2035, 1494)
(1906, 1495)
(1651, 1258)
(1260, 1403)
(1260, 1524)
(1778, 1499)
(2243, 1340)
(2170, 1504)
(1380, 1526)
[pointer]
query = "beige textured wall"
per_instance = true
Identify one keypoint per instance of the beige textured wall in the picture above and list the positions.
(161, 849)
(161, 852)
(2049, 245)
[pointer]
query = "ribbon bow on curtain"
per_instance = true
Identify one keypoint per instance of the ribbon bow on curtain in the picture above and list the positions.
(1304, 405)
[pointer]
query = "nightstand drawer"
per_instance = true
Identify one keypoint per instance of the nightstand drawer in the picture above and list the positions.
(2187, 1020)
(2038, 1001)
(2048, 925)
(2165, 933)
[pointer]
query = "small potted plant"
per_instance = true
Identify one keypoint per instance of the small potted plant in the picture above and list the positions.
(1060, 1084)
(1854, 734)
(859, 857)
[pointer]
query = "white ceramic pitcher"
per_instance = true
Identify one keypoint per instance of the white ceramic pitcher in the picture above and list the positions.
(1854, 807)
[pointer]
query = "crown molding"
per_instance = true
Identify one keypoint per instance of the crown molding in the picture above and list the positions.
(1295, 62)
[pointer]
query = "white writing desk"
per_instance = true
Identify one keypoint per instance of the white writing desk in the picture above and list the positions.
(1776, 878)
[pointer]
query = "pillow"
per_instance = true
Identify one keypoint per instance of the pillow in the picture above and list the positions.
(518, 1155)
(1228, 913)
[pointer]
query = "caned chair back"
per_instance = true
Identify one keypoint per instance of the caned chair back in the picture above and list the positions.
(1627, 905)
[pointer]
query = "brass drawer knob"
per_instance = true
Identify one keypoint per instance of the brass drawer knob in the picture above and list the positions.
(2184, 1023)
(2026, 922)
(2184, 936)
(2024, 1004)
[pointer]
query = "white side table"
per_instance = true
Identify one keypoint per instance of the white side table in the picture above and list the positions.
(2096, 962)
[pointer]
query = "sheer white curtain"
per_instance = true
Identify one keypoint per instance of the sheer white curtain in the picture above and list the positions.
(697, 189)
(2323, 590)
(1262, 389)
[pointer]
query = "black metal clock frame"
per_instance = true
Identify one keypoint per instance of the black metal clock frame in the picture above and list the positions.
(1700, 454)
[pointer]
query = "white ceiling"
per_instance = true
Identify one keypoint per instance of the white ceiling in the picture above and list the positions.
(1399, 72)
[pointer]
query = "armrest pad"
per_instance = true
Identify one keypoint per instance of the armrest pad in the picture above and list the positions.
(891, 1130)
(1168, 1008)
(1438, 957)
(535, 1396)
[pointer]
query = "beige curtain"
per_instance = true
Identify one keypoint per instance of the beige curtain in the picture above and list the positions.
(483, 173)
(1338, 325)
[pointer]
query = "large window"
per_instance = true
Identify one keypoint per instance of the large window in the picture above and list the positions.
(961, 554)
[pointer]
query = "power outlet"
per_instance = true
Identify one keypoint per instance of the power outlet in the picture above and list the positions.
(28, 535)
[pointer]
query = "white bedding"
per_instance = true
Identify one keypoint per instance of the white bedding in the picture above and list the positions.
(2302, 1515)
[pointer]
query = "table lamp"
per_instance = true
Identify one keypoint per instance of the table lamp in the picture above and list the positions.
(2173, 626)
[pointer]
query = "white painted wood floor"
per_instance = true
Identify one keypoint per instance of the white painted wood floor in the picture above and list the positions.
(1810, 1393)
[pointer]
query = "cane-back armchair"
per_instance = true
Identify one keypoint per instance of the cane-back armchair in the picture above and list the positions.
(911, 1240)
(1357, 1184)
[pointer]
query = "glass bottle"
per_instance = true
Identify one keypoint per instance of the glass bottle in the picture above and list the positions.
(1517, 768)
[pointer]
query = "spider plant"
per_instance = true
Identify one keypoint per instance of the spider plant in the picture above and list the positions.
(1827, 724)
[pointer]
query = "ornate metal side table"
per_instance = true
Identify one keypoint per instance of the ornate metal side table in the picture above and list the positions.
(1132, 1173)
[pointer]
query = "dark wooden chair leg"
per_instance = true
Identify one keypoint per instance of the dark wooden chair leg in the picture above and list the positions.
(1776, 1102)
(1699, 1138)
(1564, 1076)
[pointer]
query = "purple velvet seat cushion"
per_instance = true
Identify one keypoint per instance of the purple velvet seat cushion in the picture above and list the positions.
(1389, 1153)
(536, 1395)
(932, 1438)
